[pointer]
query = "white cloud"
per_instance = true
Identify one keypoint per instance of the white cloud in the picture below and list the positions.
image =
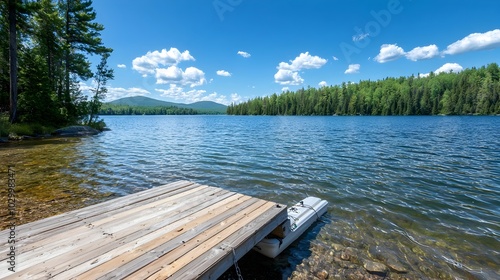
(223, 73)
(420, 53)
(455, 67)
(117, 93)
(178, 94)
(223, 99)
(335, 58)
(285, 89)
(86, 89)
(474, 42)
(244, 54)
(353, 69)
(287, 77)
(303, 61)
(148, 63)
(236, 98)
(114, 93)
(192, 76)
(121, 66)
(323, 84)
(288, 73)
(172, 74)
(389, 52)
(360, 37)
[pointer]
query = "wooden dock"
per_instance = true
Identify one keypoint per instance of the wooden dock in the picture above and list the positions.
(181, 230)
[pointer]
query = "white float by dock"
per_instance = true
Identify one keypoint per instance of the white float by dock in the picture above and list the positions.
(300, 217)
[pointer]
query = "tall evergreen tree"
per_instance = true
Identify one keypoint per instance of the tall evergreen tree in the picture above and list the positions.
(47, 34)
(36, 101)
(81, 37)
(12, 12)
(4, 58)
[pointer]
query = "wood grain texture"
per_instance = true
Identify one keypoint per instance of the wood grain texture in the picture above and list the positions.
(181, 230)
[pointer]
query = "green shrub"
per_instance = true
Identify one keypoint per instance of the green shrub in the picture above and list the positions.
(4, 126)
(99, 125)
(39, 129)
(21, 129)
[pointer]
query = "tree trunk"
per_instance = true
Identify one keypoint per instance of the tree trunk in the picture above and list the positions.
(13, 60)
(67, 98)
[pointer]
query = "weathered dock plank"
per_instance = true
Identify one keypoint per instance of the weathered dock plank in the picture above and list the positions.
(181, 230)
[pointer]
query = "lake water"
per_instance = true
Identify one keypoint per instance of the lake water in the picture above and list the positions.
(421, 194)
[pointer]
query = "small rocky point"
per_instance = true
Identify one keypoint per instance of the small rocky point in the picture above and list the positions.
(76, 130)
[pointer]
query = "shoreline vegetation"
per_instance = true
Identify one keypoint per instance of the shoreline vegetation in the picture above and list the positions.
(18, 132)
(111, 109)
(474, 91)
(45, 56)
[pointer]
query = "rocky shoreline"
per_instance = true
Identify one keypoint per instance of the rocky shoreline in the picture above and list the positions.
(69, 131)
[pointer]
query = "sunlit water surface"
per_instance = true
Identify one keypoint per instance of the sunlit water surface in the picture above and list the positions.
(422, 190)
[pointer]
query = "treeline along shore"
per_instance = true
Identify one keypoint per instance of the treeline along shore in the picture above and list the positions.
(110, 109)
(469, 92)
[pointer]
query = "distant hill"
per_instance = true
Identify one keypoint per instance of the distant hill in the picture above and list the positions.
(141, 101)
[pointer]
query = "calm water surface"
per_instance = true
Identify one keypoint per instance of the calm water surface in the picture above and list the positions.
(422, 190)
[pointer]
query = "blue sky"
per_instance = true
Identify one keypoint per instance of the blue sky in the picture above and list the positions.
(233, 50)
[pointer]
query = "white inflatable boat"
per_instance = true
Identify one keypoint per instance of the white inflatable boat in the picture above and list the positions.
(300, 217)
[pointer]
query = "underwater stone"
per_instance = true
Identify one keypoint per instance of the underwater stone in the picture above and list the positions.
(322, 274)
(374, 267)
(337, 247)
(395, 265)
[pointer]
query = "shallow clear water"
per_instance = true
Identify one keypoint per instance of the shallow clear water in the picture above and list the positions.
(425, 190)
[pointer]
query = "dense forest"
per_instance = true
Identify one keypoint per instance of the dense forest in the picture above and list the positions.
(472, 91)
(110, 109)
(45, 52)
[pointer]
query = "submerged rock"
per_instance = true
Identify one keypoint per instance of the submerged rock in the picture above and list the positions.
(349, 254)
(388, 257)
(323, 274)
(337, 247)
(374, 267)
(76, 130)
(396, 265)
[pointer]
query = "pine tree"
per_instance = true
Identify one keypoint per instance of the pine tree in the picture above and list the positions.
(101, 77)
(4, 58)
(81, 37)
(12, 12)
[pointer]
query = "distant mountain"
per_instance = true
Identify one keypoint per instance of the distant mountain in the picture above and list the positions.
(141, 101)
(205, 105)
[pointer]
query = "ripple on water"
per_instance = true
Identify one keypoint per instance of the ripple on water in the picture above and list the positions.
(416, 194)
